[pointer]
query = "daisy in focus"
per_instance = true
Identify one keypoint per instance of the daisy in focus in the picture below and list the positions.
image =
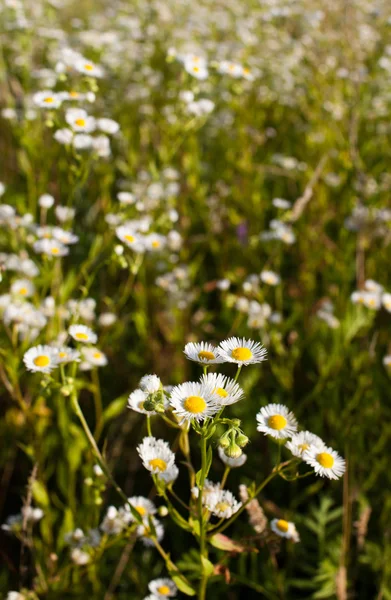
(285, 529)
(325, 461)
(156, 455)
(163, 588)
(82, 333)
(41, 359)
(277, 421)
(203, 353)
(222, 504)
(242, 351)
(193, 401)
(226, 389)
(302, 441)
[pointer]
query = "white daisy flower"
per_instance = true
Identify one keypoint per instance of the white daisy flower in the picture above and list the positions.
(79, 120)
(203, 353)
(46, 201)
(209, 488)
(281, 203)
(302, 441)
(226, 389)
(150, 384)
(163, 588)
(41, 358)
(50, 248)
(136, 402)
(82, 141)
(199, 71)
(242, 351)
(387, 360)
(143, 506)
(130, 238)
(47, 99)
(126, 197)
(87, 67)
(82, 333)
(63, 136)
(233, 463)
(108, 126)
(64, 236)
(325, 461)
(22, 288)
(156, 455)
(155, 242)
(170, 475)
(144, 531)
(372, 286)
(368, 299)
(270, 277)
(114, 521)
(285, 529)
(386, 301)
(66, 354)
(79, 557)
(64, 213)
(95, 357)
(276, 420)
(222, 504)
(193, 400)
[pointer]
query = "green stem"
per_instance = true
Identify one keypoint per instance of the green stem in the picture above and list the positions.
(203, 547)
(97, 404)
(224, 479)
(238, 372)
(149, 426)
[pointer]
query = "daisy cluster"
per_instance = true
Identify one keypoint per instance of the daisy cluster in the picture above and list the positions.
(373, 296)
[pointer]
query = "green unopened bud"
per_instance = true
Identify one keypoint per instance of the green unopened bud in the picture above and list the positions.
(242, 440)
(88, 481)
(224, 441)
(149, 403)
(66, 390)
(235, 422)
(162, 511)
(233, 451)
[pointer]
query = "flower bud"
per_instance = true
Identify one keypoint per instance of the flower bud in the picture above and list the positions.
(242, 440)
(162, 511)
(233, 451)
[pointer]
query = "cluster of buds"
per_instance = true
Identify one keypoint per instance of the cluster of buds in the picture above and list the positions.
(233, 440)
(97, 484)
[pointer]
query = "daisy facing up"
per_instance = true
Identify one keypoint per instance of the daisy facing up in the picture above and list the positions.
(222, 504)
(41, 359)
(144, 507)
(303, 441)
(203, 353)
(144, 531)
(277, 421)
(226, 390)
(82, 333)
(95, 357)
(22, 288)
(241, 351)
(285, 529)
(325, 461)
(156, 455)
(193, 400)
(163, 588)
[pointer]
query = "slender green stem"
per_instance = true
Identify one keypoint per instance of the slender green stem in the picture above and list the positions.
(224, 479)
(98, 404)
(149, 426)
(203, 546)
(238, 372)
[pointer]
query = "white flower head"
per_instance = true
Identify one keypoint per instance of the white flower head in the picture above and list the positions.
(66, 354)
(63, 136)
(222, 504)
(203, 353)
(79, 120)
(302, 441)
(325, 461)
(387, 360)
(41, 358)
(87, 67)
(150, 384)
(95, 357)
(226, 390)
(270, 277)
(156, 455)
(285, 529)
(386, 301)
(130, 238)
(82, 333)
(47, 99)
(163, 588)
(108, 126)
(143, 506)
(193, 400)
(22, 288)
(136, 402)
(46, 201)
(242, 351)
(276, 420)
(144, 531)
(49, 247)
(232, 463)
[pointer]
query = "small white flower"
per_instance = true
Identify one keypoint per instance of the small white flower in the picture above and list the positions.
(49, 247)
(107, 319)
(281, 203)
(226, 389)
(372, 286)
(386, 301)
(302, 441)
(63, 136)
(144, 531)
(242, 351)
(108, 126)
(79, 557)
(130, 238)
(79, 120)
(22, 288)
(143, 506)
(64, 213)
(193, 401)
(285, 529)
(203, 353)
(95, 357)
(233, 463)
(276, 420)
(66, 354)
(156, 455)
(163, 588)
(270, 277)
(387, 360)
(64, 236)
(136, 402)
(47, 99)
(150, 384)
(87, 67)
(41, 358)
(325, 461)
(222, 504)
(46, 201)
(126, 197)
(82, 333)
(82, 141)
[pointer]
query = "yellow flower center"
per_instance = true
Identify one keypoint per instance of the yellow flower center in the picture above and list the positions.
(97, 355)
(141, 405)
(81, 336)
(222, 506)
(155, 244)
(282, 525)
(141, 510)
(221, 392)
(206, 355)
(371, 302)
(73, 94)
(55, 250)
(196, 69)
(277, 422)
(62, 355)
(80, 122)
(158, 463)
(325, 459)
(23, 291)
(195, 404)
(88, 67)
(303, 447)
(49, 100)
(129, 238)
(241, 354)
(41, 361)
(164, 590)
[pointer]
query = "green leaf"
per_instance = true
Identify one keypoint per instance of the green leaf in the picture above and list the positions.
(114, 409)
(222, 542)
(207, 566)
(40, 494)
(182, 584)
